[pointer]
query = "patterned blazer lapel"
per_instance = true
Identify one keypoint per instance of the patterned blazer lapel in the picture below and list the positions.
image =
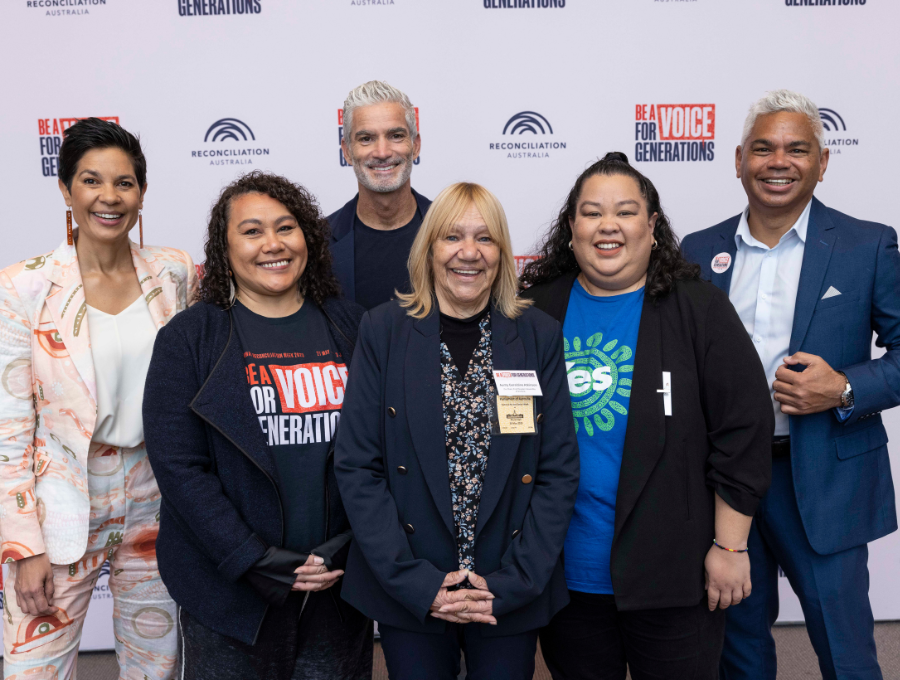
(67, 328)
(161, 292)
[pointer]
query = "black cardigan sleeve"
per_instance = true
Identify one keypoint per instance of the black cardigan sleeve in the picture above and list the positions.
(738, 409)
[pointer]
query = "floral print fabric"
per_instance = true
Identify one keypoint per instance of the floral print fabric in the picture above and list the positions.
(468, 400)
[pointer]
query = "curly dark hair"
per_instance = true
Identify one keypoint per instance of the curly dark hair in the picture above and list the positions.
(555, 258)
(317, 282)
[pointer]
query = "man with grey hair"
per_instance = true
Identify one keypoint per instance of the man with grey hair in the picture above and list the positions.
(811, 286)
(372, 234)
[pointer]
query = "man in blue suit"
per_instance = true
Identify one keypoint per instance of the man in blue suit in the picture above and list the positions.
(811, 285)
(371, 236)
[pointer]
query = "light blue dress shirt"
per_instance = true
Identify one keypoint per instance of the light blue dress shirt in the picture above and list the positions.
(764, 291)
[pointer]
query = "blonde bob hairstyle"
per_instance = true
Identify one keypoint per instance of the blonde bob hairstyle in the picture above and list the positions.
(447, 209)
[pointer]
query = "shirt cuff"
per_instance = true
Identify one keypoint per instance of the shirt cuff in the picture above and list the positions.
(843, 413)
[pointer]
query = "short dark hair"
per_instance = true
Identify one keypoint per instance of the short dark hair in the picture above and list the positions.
(317, 282)
(93, 133)
(555, 258)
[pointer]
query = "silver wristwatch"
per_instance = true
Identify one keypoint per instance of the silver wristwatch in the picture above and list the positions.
(847, 400)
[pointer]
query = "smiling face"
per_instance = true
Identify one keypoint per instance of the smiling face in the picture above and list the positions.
(380, 147)
(266, 248)
(781, 163)
(105, 197)
(612, 235)
(465, 262)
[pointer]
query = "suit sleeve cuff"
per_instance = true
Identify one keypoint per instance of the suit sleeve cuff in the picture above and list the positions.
(245, 556)
(741, 501)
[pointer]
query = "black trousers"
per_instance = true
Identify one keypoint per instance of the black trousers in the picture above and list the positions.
(429, 656)
(296, 642)
(590, 639)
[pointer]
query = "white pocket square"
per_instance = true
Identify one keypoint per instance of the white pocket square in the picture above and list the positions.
(831, 292)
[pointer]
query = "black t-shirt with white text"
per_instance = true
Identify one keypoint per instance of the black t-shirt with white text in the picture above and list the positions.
(296, 379)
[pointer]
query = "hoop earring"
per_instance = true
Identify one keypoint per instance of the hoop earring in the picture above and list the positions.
(69, 238)
(232, 297)
(141, 227)
(655, 245)
(570, 246)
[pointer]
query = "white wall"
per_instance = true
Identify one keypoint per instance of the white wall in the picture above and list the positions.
(285, 70)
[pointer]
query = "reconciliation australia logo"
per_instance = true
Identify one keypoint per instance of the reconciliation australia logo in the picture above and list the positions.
(64, 8)
(522, 129)
(50, 131)
(834, 126)
(211, 8)
(344, 163)
(674, 132)
(597, 373)
(230, 141)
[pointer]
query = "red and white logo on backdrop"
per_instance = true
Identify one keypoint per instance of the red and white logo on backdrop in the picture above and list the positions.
(522, 260)
(51, 132)
(674, 132)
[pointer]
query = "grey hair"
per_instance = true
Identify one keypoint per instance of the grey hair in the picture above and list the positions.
(378, 92)
(785, 100)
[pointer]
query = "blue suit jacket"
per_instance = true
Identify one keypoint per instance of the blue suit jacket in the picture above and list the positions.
(342, 253)
(841, 471)
(391, 467)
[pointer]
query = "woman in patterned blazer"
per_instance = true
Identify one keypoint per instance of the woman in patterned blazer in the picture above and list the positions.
(77, 328)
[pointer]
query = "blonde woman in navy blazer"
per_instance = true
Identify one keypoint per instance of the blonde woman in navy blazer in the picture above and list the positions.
(445, 565)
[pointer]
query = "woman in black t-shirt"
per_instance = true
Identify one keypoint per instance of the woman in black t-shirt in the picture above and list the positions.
(247, 395)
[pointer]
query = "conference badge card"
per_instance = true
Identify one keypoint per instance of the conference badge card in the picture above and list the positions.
(515, 405)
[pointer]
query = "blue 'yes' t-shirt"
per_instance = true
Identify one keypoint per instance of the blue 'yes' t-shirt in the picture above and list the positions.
(600, 339)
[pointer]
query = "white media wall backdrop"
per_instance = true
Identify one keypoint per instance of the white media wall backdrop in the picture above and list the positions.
(519, 95)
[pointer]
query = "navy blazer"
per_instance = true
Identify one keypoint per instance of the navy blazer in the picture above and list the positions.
(221, 505)
(841, 471)
(342, 240)
(391, 467)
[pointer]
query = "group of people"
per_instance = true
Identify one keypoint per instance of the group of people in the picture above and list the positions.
(371, 417)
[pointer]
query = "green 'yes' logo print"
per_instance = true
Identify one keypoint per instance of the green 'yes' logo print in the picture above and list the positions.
(595, 376)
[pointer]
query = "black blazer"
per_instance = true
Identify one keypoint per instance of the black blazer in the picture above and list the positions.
(718, 438)
(221, 508)
(342, 242)
(391, 466)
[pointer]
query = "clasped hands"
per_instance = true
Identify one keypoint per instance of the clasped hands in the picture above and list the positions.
(466, 605)
(314, 575)
(815, 389)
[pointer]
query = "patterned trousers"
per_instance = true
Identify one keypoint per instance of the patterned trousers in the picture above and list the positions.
(123, 528)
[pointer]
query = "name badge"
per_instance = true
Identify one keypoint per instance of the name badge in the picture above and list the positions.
(517, 383)
(514, 410)
(515, 415)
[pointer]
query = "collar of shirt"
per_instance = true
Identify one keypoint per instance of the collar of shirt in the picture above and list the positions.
(743, 230)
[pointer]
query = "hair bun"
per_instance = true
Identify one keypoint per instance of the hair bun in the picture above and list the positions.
(616, 156)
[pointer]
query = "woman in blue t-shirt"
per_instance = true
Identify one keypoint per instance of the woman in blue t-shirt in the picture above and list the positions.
(674, 429)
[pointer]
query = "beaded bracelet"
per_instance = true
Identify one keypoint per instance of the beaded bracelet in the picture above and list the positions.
(722, 547)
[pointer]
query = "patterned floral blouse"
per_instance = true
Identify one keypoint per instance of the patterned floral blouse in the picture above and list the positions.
(467, 409)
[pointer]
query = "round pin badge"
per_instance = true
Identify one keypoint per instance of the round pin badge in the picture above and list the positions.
(721, 263)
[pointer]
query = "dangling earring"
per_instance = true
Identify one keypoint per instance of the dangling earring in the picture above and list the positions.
(69, 239)
(141, 227)
(570, 246)
(655, 245)
(232, 297)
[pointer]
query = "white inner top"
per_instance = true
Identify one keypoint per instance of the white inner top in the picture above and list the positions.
(764, 291)
(121, 345)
